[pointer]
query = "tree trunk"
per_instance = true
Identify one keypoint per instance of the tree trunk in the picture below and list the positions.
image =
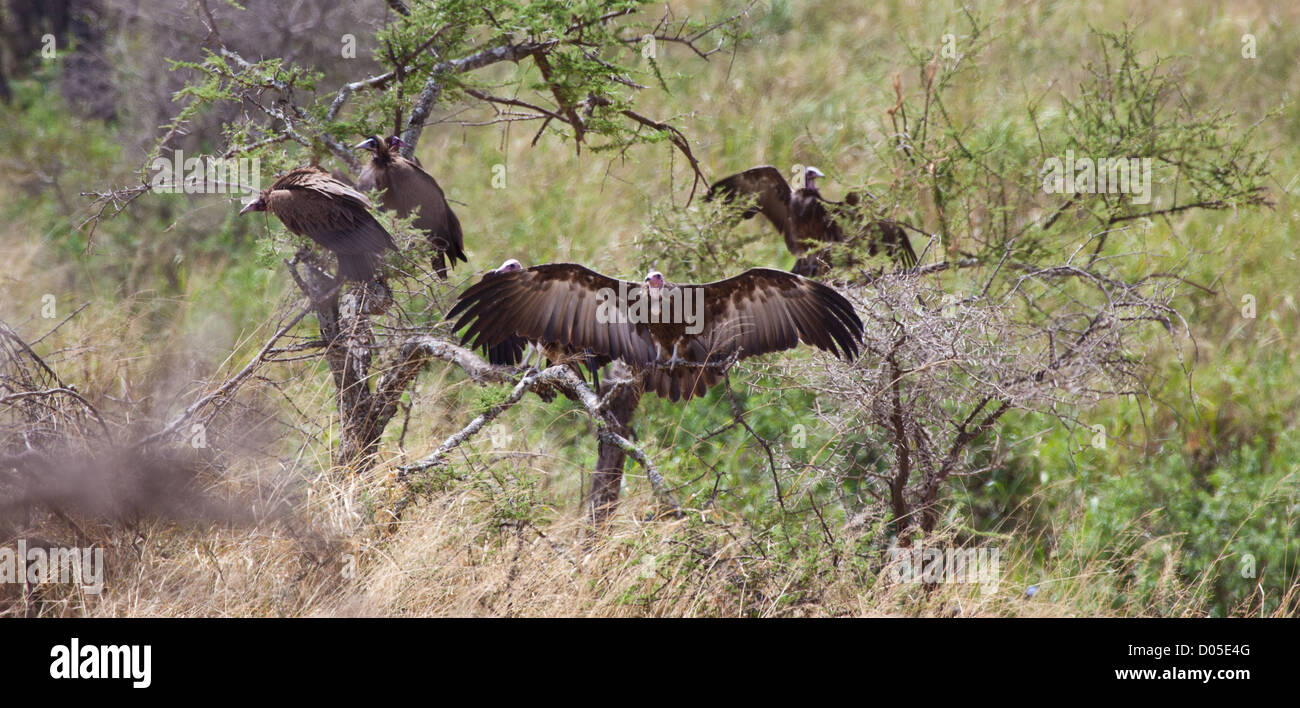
(344, 320)
(608, 478)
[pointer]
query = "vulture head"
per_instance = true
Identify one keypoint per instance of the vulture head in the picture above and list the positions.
(258, 204)
(381, 147)
(809, 176)
(511, 265)
(654, 282)
(374, 145)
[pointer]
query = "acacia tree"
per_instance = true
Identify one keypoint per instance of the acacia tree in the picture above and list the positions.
(573, 72)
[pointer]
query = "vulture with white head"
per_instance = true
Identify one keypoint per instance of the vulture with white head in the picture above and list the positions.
(405, 189)
(680, 336)
(310, 202)
(806, 219)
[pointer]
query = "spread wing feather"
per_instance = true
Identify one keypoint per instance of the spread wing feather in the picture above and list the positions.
(767, 183)
(555, 304)
(757, 312)
(764, 310)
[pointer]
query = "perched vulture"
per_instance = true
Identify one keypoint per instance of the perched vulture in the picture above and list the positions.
(406, 188)
(679, 336)
(804, 218)
(310, 202)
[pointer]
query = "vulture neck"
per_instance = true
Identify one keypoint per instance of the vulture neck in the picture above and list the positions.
(669, 313)
(655, 297)
(383, 155)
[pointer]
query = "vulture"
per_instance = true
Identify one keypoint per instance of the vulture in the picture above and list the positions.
(310, 202)
(805, 218)
(679, 336)
(405, 189)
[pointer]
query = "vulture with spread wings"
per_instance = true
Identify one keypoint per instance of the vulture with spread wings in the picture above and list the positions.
(405, 189)
(310, 202)
(806, 219)
(680, 336)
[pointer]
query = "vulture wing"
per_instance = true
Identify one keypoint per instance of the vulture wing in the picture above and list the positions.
(882, 234)
(764, 310)
(569, 307)
(767, 183)
(509, 351)
(556, 304)
(891, 237)
(312, 203)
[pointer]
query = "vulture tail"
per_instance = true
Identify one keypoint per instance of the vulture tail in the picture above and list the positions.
(594, 367)
(439, 264)
(508, 353)
(907, 254)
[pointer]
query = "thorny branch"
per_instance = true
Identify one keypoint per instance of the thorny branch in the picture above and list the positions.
(560, 377)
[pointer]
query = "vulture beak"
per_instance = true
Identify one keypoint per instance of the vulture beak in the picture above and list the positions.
(368, 144)
(255, 205)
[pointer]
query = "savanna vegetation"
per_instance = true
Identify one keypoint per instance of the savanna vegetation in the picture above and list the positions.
(1099, 387)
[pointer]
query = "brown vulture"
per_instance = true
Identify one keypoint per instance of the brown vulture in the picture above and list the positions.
(680, 336)
(805, 218)
(310, 202)
(405, 189)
